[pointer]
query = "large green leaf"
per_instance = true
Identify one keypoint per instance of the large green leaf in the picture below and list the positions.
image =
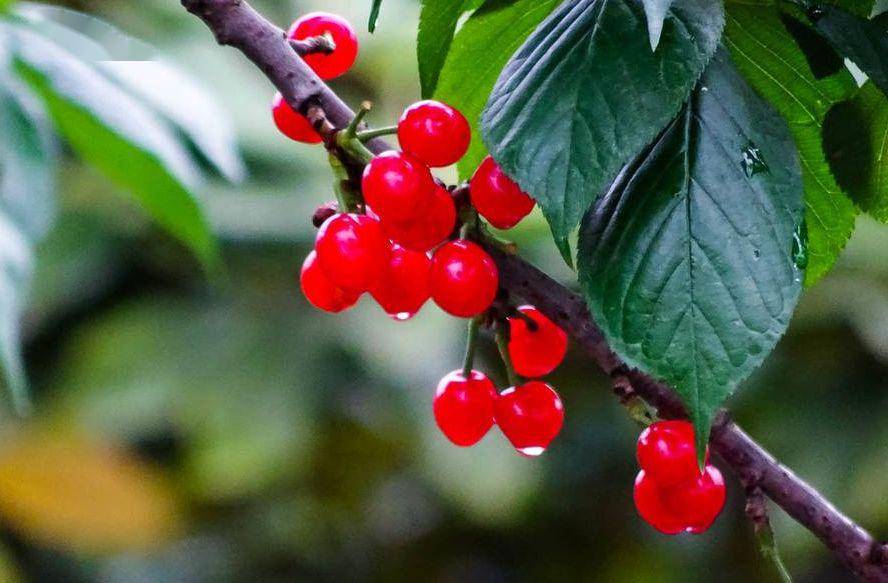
(687, 262)
(656, 11)
(27, 171)
(375, 7)
(773, 63)
(865, 42)
(855, 137)
(480, 50)
(585, 94)
(437, 25)
(142, 72)
(120, 136)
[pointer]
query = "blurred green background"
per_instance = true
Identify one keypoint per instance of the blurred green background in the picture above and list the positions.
(189, 430)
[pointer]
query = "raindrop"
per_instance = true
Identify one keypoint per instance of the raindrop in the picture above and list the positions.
(815, 12)
(756, 254)
(751, 160)
(401, 316)
(704, 89)
(800, 246)
(533, 451)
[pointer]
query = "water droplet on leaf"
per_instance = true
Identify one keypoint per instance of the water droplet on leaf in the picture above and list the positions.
(756, 254)
(800, 246)
(751, 160)
(531, 451)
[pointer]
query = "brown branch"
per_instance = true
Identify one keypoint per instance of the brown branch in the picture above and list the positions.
(236, 23)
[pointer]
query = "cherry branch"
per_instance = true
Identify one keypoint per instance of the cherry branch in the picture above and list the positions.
(235, 23)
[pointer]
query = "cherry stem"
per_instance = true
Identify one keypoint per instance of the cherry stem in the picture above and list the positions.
(344, 197)
(502, 342)
(348, 139)
(757, 511)
(532, 324)
(323, 44)
(471, 344)
(367, 135)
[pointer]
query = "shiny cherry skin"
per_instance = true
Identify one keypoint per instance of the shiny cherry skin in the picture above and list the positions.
(352, 251)
(530, 416)
(320, 291)
(465, 279)
(327, 66)
(497, 197)
(404, 285)
(666, 451)
(398, 186)
(429, 230)
(434, 132)
(649, 504)
(292, 124)
(463, 407)
(696, 503)
(536, 347)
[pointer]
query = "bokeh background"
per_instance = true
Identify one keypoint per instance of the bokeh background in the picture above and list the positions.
(195, 429)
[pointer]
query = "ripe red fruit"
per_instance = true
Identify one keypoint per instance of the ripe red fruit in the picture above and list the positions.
(464, 279)
(428, 230)
(403, 287)
(292, 124)
(434, 132)
(464, 407)
(667, 452)
(696, 503)
(327, 66)
(649, 503)
(320, 291)
(352, 251)
(530, 416)
(398, 187)
(535, 350)
(497, 197)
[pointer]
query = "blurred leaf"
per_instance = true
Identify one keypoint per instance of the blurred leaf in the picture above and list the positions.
(855, 135)
(121, 137)
(823, 60)
(437, 25)
(655, 11)
(686, 262)
(865, 42)
(573, 105)
(480, 50)
(140, 70)
(67, 492)
(772, 62)
(374, 15)
(27, 181)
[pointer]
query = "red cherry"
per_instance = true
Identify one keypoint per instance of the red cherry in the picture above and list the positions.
(320, 291)
(497, 197)
(535, 352)
(327, 66)
(436, 133)
(352, 251)
(650, 505)
(530, 416)
(667, 452)
(403, 287)
(398, 187)
(464, 279)
(696, 503)
(464, 407)
(428, 230)
(293, 125)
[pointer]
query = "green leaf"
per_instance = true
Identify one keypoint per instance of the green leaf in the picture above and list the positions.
(585, 94)
(5, 4)
(865, 42)
(687, 262)
(27, 171)
(437, 25)
(480, 50)
(656, 10)
(774, 65)
(855, 136)
(374, 15)
(119, 136)
(146, 75)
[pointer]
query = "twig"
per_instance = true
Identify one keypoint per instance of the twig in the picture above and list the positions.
(236, 23)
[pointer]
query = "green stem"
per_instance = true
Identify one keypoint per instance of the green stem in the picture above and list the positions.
(367, 135)
(348, 139)
(340, 180)
(768, 547)
(503, 344)
(471, 343)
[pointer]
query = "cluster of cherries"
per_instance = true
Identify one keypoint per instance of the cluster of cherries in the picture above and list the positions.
(403, 247)
(671, 493)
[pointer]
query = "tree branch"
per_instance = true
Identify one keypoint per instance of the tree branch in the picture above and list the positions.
(237, 24)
